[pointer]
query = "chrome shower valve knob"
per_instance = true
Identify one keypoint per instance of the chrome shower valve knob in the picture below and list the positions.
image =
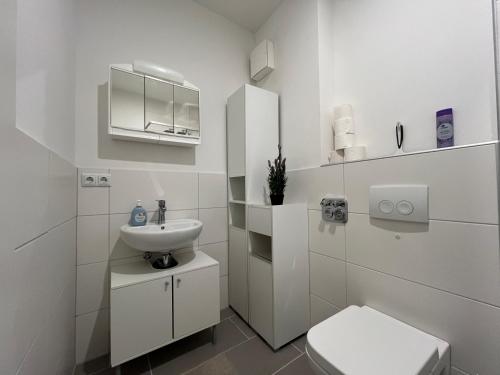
(334, 210)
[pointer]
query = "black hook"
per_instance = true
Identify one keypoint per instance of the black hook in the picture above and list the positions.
(399, 135)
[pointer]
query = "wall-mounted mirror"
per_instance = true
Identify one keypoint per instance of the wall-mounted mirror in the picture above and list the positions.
(148, 109)
(159, 106)
(186, 112)
(127, 100)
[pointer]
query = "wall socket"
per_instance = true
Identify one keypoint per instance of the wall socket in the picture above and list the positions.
(96, 179)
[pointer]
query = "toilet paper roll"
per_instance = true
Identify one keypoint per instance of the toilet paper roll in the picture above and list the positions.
(343, 141)
(355, 153)
(344, 125)
(344, 110)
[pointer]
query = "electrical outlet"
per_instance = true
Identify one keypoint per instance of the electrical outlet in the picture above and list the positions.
(104, 179)
(88, 179)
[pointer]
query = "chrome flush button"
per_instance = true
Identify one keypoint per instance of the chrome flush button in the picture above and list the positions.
(386, 206)
(404, 207)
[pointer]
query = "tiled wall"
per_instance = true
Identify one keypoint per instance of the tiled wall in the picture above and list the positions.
(101, 212)
(442, 277)
(37, 261)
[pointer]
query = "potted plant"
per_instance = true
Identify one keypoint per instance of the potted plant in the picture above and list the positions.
(277, 179)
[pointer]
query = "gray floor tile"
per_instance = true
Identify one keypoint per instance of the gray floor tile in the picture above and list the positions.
(253, 357)
(93, 366)
(243, 326)
(300, 343)
(138, 366)
(226, 313)
(300, 366)
(191, 351)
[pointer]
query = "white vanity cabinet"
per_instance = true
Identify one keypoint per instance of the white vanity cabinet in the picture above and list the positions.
(150, 308)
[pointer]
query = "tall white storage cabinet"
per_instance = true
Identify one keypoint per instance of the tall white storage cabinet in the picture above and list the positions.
(252, 140)
(278, 271)
(268, 245)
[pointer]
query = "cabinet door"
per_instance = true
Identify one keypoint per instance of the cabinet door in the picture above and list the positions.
(196, 300)
(186, 112)
(159, 106)
(238, 271)
(126, 100)
(141, 319)
(260, 281)
(236, 133)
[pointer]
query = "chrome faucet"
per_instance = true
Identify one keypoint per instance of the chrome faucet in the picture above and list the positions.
(161, 211)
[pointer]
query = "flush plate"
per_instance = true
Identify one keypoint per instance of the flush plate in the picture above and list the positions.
(400, 202)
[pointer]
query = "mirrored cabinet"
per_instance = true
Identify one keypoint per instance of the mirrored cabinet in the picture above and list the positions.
(149, 109)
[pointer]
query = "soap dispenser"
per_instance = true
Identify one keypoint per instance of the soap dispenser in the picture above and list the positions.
(139, 216)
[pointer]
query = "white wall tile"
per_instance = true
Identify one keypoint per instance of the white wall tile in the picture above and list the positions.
(212, 190)
(27, 192)
(37, 275)
(457, 257)
(92, 335)
(326, 238)
(328, 279)
(92, 287)
(471, 328)
(178, 189)
(321, 310)
(62, 190)
(93, 239)
(311, 185)
(92, 200)
(224, 299)
(218, 251)
(214, 225)
(462, 182)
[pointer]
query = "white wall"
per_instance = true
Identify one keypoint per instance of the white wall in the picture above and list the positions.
(442, 277)
(38, 247)
(46, 73)
(293, 27)
(402, 61)
(208, 49)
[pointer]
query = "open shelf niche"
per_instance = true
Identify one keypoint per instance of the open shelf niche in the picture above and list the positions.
(237, 215)
(260, 245)
(237, 189)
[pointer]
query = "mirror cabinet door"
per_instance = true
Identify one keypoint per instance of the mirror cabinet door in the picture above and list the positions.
(159, 102)
(127, 100)
(186, 112)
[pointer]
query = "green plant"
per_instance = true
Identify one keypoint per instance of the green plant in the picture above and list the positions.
(277, 175)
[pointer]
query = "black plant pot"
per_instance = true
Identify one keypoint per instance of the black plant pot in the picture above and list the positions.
(277, 200)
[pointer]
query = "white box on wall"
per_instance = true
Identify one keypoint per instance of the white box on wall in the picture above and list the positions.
(262, 60)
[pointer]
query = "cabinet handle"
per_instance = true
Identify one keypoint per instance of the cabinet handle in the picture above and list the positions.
(167, 283)
(178, 282)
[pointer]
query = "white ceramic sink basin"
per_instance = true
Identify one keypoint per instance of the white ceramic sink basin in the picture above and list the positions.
(159, 238)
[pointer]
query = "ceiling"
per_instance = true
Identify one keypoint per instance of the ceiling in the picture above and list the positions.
(250, 14)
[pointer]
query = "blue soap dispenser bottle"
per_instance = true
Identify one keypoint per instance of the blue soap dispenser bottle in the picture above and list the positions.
(139, 216)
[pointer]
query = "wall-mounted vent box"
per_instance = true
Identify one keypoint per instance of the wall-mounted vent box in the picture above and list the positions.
(262, 60)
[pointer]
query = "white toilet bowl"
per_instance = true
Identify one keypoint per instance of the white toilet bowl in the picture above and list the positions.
(363, 341)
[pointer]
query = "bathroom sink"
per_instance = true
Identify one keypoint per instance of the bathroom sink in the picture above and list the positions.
(161, 238)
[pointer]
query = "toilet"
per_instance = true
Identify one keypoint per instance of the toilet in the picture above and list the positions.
(363, 341)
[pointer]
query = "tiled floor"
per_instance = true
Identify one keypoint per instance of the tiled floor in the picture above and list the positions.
(238, 350)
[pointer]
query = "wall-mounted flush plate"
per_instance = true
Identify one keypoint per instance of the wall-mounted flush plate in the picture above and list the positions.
(400, 202)
(334, 209)
(96, 179)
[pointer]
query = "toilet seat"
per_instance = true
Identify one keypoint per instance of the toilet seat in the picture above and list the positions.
(361, 340)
